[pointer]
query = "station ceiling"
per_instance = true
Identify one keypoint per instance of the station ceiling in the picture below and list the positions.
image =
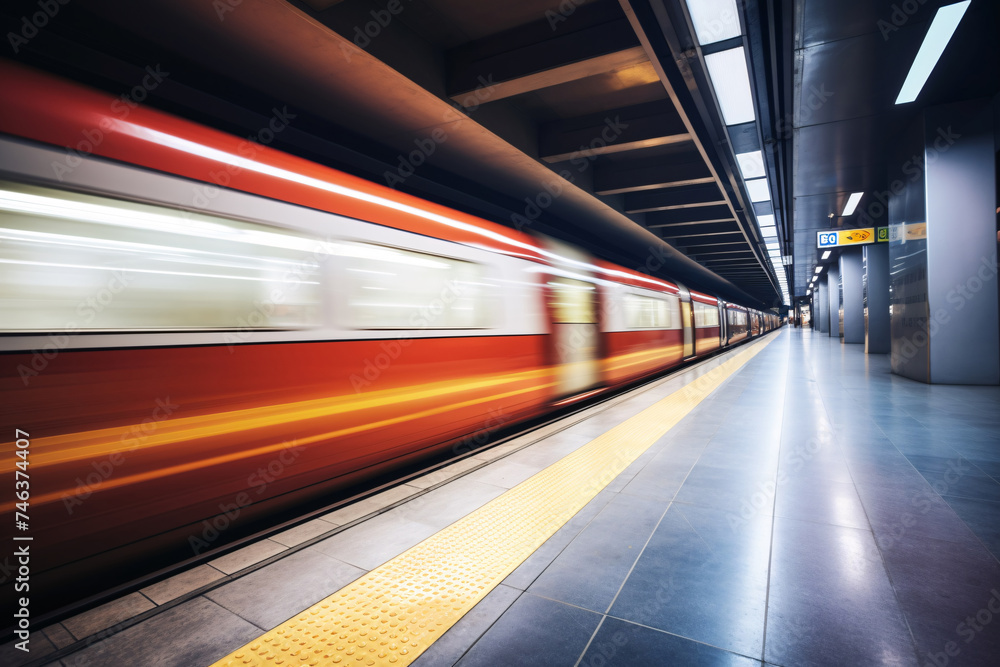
(591, 120)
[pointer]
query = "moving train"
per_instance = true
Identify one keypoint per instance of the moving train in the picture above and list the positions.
(195, 329)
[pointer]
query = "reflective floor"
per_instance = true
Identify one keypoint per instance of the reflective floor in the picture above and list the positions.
(814, 510)
(817, 510)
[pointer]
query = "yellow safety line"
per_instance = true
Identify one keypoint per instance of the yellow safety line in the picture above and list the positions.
(395, 612)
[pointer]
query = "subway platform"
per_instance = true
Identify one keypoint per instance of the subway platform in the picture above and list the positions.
(789, 502)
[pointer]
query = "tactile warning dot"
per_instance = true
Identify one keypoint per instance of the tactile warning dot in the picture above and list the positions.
(415, 597)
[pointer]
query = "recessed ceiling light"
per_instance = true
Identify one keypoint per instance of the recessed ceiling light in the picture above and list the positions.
(943, 26)
(826, 255)
(731, 82)
(752, 165)
(714, 20)
(758, 190)
(852, 203)
(819, 269)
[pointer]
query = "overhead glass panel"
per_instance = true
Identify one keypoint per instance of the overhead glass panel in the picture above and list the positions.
(714, 20)
(758, 190)
(751, 164)
(731, 81)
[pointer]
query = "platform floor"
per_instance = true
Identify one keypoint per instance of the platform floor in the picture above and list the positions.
(812, 510)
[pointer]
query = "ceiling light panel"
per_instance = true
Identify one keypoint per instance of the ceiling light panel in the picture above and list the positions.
(714, 20)
(852, 203)
(751, 164)
(758, 190)
(731, 81)
(943, 26)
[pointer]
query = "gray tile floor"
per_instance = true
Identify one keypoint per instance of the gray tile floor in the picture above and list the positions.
(815, 510)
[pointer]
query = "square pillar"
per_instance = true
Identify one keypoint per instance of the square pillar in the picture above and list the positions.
(833, 294)
(942, 247)
(822, 299)
(852, 278)
(876, 283)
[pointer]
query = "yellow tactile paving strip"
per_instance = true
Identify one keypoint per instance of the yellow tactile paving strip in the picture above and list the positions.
(395, 612)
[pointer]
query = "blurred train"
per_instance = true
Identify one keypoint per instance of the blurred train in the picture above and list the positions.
(195, 328)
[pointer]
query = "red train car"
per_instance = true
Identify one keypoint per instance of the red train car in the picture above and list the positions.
(185, 355)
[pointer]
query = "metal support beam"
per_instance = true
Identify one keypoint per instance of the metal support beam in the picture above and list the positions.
(697, 196)
(689, 215)
(630, 128)
(619, 180)
(592, 40)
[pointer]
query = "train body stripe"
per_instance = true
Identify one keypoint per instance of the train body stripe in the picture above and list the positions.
(390, 616)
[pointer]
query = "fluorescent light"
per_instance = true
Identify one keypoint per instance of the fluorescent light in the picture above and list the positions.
(758, 190)
(731, 81)
(765, 220)
(826, 255)
(943, 26)
(714, 20)
(751, 164)
(819, 269)
(852, 203)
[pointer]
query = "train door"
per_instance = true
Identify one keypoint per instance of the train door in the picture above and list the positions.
(573, 304)
(687, 322)
(722, 324)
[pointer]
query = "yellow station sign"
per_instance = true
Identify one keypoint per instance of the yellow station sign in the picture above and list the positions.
(835, 238)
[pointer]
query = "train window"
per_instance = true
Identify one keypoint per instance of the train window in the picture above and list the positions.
(389, 288)
(75, 262)
(705, 315)
(572, 301)
(643, 312)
